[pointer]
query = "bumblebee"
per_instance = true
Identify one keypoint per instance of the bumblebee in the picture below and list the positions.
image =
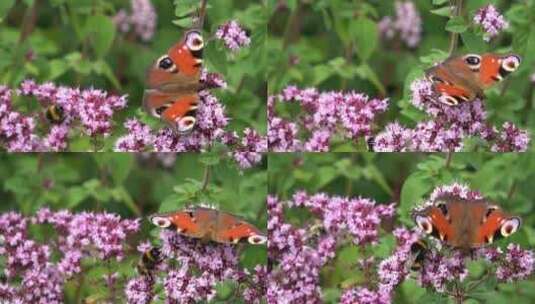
(55, 114)
(418, 250)
(149, 261)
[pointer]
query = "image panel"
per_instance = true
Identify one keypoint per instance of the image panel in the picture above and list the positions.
(401, 228)
(131, 228)
(401, 76)
(136, 76)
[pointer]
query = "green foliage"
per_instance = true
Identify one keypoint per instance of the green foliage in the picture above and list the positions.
(408, 180)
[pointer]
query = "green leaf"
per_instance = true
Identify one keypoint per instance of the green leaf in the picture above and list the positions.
(413, 190)
(456, 25)
(443, 11)
(101, 67)
(101, 30)
(366, 72)
(366, 36)
(474, 43)
(439, 2)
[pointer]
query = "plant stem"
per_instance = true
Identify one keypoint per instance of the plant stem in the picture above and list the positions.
(448, 159)
(202, 14)
(511, 190)
(292, 28)
(454, 39)
(206, 178)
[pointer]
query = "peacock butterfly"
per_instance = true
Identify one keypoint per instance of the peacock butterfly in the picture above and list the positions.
(210, 224)
(463, 78)
(465, 224)
(173, 82)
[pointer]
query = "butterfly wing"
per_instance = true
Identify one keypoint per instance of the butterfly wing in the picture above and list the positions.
(434, 221)
(463, 78)
(180, 68)
(496, 224)
(177, 110)
(453, 82)
(188, 222)
(231, 229)
(495, 68)
(173, 82)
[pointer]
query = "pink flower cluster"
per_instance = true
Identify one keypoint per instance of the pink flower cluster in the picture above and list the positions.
(232, 35)
(407, 23)
(449, 126)
(143, 19)
(246, 151)
(299, 254)
(193, 279)
(324, 115)
(91, 109)
(491, 21)
(32, 276)
(391, 272)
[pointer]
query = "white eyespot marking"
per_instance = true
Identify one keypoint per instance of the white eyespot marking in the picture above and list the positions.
(473, 61)
(194, 41)
(510, 226)
(510, 63)
(448, 100)
(159, 221)
(257, 239)
(186, 123)
(424, 223)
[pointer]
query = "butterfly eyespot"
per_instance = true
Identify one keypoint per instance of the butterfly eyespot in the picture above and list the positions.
(510, 63)
(257, 239)
(186, 123)
(510, 226)
(165, 63)
(194, 41)
(474, 61)
(161, 221)
(448, 100)
(424, 223)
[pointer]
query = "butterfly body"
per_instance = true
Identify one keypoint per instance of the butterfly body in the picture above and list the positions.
(210, 224)
(465, 224)
(464, 78)
(173, 82)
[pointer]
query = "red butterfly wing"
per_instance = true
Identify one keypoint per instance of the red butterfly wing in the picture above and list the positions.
(185, 222)
(231, 229)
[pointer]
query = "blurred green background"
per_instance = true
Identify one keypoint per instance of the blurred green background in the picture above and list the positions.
(75, 43)
(133, 186)
(336, 45)
(408, 179)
